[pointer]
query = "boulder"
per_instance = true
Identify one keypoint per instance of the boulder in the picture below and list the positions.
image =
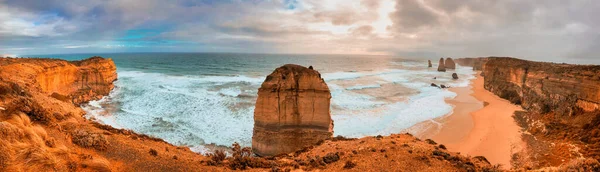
(443, 86)
(449, 64)
(454, 76)
(434, 85)
(442, 67)
(430, 65)
(292, 111)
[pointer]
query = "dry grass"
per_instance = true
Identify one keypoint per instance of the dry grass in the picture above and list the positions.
(588, 164)
(23, 147)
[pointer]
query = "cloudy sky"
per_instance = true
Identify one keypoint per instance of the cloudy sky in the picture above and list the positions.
(549, 30)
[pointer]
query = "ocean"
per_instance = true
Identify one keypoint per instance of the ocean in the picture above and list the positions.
(199, 99)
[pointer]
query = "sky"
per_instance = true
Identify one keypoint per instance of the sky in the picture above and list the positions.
(544, 30)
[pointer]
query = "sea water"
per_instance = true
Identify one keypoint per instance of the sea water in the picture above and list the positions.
(196, 99)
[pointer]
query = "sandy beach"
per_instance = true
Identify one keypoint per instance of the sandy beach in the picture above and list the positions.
(481, 124)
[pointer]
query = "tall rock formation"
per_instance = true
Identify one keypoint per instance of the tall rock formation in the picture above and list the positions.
(441, 66)
(292, 111)
(430, 65)
(449, 64)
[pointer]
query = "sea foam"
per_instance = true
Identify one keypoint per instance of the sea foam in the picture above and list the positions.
(198, 110)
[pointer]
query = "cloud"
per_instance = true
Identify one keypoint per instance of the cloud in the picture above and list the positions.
(551, 30)
(411, 15)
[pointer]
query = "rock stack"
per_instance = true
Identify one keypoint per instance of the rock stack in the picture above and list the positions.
(454, 76)
(442, 67)
(292, 111)
(450, 63)
(430, 65)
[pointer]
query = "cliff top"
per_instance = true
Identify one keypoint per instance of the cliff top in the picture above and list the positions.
(291, 76)
(40, 61)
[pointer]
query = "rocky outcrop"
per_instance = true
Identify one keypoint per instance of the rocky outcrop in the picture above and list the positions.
(430, 65)
(449, 64)
(76, 82)
(441, 66)
(292, 111)
(544, 87)
(562, 101)
(454, 76)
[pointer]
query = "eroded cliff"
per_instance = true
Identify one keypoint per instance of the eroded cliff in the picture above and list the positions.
(562, 103)
(42, 128)
(477, 63)
(545, 87)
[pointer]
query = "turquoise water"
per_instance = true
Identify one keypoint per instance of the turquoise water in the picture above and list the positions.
(195, 99)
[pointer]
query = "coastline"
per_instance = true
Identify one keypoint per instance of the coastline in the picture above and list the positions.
(481, 124)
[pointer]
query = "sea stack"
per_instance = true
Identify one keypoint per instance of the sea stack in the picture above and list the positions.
(430, 65)
(442, 67)
(292, 111)
(450, 63)
(454, 76)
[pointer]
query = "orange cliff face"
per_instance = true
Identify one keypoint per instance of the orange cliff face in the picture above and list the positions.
(76, 82)
(43, 129)
(545, 87)
(562, 100)
(292, 111)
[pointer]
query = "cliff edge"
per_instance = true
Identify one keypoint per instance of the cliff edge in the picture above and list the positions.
(562, 121)
(43, 129)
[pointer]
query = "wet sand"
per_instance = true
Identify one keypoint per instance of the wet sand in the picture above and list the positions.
(481, 125)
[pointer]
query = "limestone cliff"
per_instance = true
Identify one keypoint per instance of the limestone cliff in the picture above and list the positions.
(292, 111)
(562, 101)
(544, 87)
(477, 63)
(76, 82)
(43, 129)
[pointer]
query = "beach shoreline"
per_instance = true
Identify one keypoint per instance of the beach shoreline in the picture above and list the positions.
(481, 124)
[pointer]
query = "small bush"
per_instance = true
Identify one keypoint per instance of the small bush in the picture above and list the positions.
(331, 158)
(441, 153)
(349, 165)
(217, 157)
(153, 152)
(243, 158)
(342, 138)
(431, 142)
(442, 146)
(482, 158)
